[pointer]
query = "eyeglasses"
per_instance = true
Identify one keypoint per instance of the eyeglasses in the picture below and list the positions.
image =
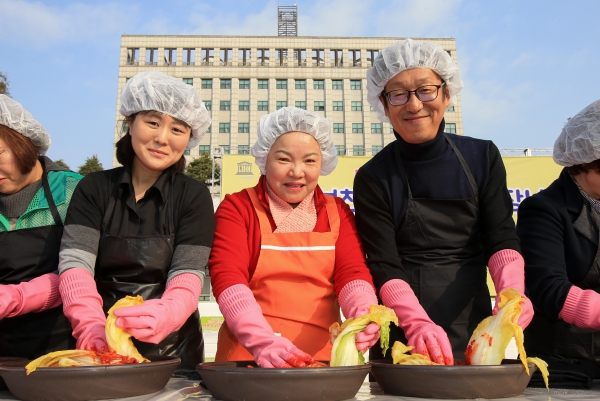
(425, 93)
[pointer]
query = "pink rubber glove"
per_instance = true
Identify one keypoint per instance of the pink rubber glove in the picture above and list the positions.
(355, 298)
(582, 308)
(507, 269)
(421, 332)
(153, 321)
(36, 295)
(244, 318)
(83, 307)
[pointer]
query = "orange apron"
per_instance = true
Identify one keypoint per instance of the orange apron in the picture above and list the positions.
(293, 284)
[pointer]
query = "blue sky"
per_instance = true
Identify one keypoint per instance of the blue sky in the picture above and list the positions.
(527, 65)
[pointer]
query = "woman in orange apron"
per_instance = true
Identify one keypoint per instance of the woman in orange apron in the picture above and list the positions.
(286, 256)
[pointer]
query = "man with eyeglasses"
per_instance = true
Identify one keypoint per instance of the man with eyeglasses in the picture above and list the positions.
(433, 209)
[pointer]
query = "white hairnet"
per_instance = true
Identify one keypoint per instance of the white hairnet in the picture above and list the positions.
(579, 141)
(157, 91)
(406, 55)
(15, 117)
(289, 119)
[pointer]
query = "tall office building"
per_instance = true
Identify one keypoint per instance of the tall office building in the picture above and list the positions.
(242, 78)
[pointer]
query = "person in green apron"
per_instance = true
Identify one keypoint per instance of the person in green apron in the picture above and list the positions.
(432, 208)
(34, 197)
(143, 229)
(559, 229)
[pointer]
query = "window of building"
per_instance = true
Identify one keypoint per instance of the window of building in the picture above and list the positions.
(337, 58)
(318, 57)
(208, 56)
(357, 128)
(355, 84)
(281, 103)
(338, 106)
(263, 56)
(282, 84)
(337, 84)
(371, 54)
(186, 151)
(224, 127)
(244, 56)
(319, 106)
(170, 56)
(354, 56)
(319, 84)
(244, 150)
(204, 149)
(450, 128)
(341, 150)
(301, 105)
(300, 56)
(133, 54)
(451, 108)
(151, 56)
(448, 51)
(244, 84)
(281, 57)
(244, 105)
(263, 84)
(226, 56)
(226, 83)
(189, 81)
(358, 150)
(301, 84)
(208, 105)
(376, 149)
(371, 108)
(206, 83)
(338, 128)
(376, 128)
(243, 127)
(225, 105)
(263, 105)
(189, 56)
(391, 129)
(226, 149)
(356, 106)
(209, 129)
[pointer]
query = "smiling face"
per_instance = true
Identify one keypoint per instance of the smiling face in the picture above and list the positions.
(416, 121)
(293, 166)
(158, 140)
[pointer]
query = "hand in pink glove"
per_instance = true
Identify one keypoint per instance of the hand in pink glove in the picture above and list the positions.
(83, 307)
(36, 295)
(582, 308)
(355, 298)
(507, 269)
(428, 338)
(153, 321)
(244, 318)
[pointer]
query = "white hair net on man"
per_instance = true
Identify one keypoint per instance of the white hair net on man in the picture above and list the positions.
(157, 91)
(579, 141)
(15, 117)
(405, 55)
(289, 119)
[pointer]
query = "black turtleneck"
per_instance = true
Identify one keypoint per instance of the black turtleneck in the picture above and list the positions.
(433, 172)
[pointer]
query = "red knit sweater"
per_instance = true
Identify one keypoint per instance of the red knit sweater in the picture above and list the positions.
(236, 246)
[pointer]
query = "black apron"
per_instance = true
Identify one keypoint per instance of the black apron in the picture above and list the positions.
(441, 252)
(140, 266)
(24, 255)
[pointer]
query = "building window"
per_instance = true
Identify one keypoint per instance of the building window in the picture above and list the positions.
(450, 128)
(338, 128)
(151, 56)
(243, 150)
(244, 84)
(376, 149)
(243, 127)
(204, 149)
(357, 128)
(263, 84)
(337, 58)
(263, 56)
(209, 129)
(189, 56)
(341, 150)
(337, 84)
(358, 150)
(371, 54)
(224, 127)
(244, 105)
(226, 56)
(318, 57)
(206, 83)
(319, 106)
(354, 56)
(319, 84)
(282, 84)
(226, 149)
(281, 103)
(451, 108)
(391, 129)
(208, 105)
(189, 81)
(301, 105)
(338, 106)
(281, 57)
(170, 56)
(356, 106)
(376, 128)
(300, 56)
(355, 84)
(301, 84)
(263, 105)
(225, 105)
(133, 54)
(226, 83)
(186, 151)
(371, 108)
(244, 55)
(208, 56)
